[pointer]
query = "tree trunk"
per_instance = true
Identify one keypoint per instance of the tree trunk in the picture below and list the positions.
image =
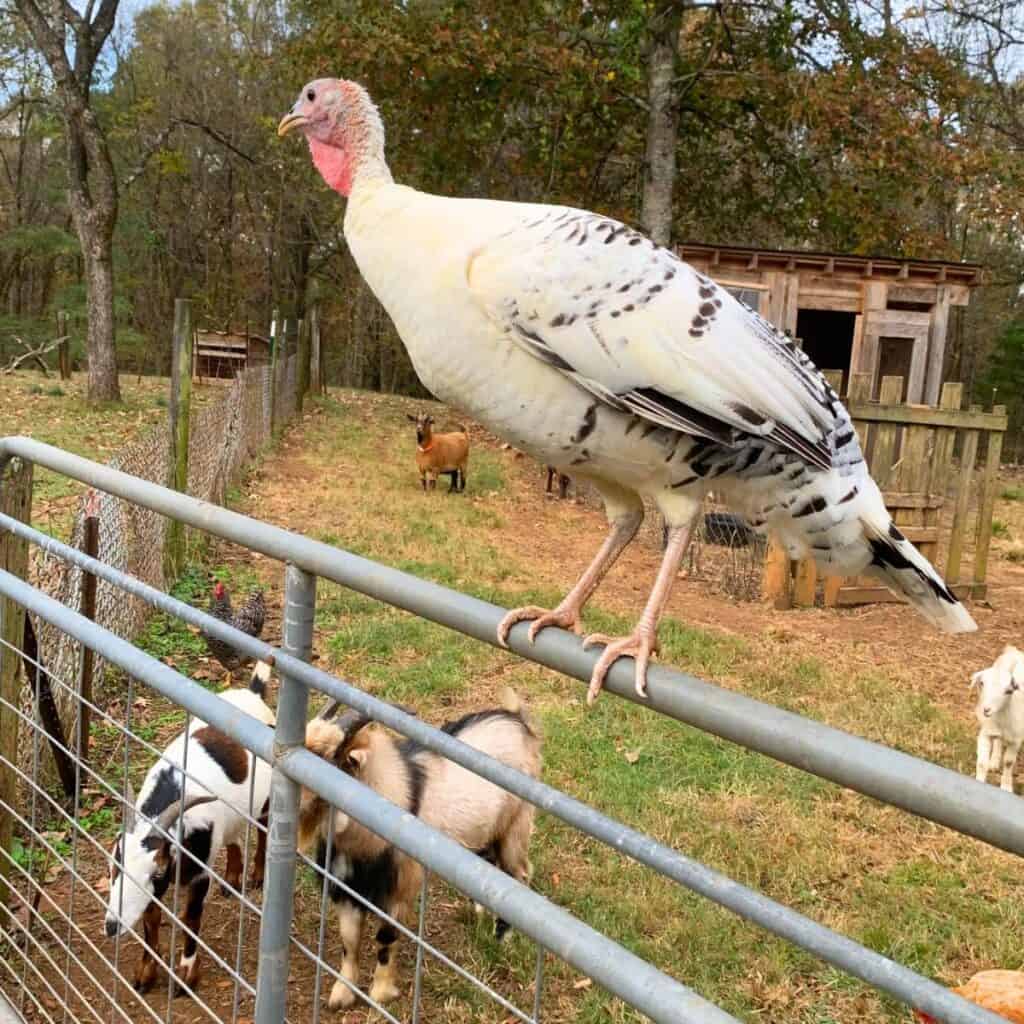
(92, 184)
(662, 123)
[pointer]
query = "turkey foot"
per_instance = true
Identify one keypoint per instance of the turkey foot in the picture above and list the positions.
(565, 615)
(639, 645)
(643, 641)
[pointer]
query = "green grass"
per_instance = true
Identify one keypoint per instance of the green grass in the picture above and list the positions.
(1000, 529)
(1012, 494)
(943, 904)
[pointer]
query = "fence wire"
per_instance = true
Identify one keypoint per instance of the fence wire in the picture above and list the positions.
(225, 435)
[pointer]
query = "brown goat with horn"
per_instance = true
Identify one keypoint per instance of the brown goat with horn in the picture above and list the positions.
(491, 822)
(440, 454)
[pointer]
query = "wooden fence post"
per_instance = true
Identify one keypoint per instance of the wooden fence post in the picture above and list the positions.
(282, 348)
(15, 501)
(64, 349)
(986, 502)
(275, 333)
(315, 370)
(963, 501)
(180, 412)
(90, 547)
(302, 371)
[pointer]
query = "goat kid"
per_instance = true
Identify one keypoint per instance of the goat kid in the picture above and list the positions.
(474, 812)
(212, 804)
(440, 454)
(1000, 714)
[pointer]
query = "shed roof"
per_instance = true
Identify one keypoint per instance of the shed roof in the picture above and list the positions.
(936, 271)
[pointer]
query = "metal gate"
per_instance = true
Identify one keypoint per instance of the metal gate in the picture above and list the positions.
(54, 967)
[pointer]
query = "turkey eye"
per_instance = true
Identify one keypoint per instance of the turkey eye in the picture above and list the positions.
(310, 95)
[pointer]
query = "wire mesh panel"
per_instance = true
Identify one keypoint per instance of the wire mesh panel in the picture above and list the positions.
(106, 894)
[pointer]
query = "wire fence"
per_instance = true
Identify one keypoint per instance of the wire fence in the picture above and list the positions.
(75, 926)
(225, 436)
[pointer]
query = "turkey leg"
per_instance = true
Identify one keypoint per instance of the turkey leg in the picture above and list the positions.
(567, 614)
(643, 641)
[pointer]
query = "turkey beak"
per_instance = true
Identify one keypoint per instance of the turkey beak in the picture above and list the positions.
(291, 120)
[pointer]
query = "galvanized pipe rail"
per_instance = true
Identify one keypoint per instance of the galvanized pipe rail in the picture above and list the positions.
(555, 647)
(815, 938)
(623, 973)
(927, 790)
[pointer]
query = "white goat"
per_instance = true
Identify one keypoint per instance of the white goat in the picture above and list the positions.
(487, 820)
(1000, 713)
(213, 804)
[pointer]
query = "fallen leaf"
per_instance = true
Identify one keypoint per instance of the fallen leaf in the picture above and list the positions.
(632, 756)
(103, 885)
(583, 983)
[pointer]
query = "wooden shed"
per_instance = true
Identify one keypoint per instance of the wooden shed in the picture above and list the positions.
(225, 354)
(874, 315)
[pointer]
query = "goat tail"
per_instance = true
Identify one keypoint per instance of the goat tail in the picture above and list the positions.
(259, 680)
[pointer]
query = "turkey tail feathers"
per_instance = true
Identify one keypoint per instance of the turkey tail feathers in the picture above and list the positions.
(905, 571)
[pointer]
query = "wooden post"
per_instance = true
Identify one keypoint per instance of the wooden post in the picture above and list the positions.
(315, 371)
(963, 500)
(180, 410)
(777, 581)
(91, 547)
(302, 367)
(64, 349)
(283, 347)
(986, 503)
(15, 501)
(275, 333)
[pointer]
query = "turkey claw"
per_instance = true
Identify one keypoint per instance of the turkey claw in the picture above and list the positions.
(542, 617)
(639, 645)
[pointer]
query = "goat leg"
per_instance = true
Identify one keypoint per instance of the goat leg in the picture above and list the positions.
(145, 972)
(260, 860)
(1009, 760)
(188, 965)
(384, 989)
(233, 872)
(350, 924)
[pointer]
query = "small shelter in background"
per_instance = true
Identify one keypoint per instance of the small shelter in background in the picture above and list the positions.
(862, 315)
(224, 354)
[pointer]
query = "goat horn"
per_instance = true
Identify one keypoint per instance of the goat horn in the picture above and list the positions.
(351, 722)
(330, 710)
(170, 814)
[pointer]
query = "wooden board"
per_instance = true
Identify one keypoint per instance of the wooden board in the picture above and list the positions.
(963, 497)
(989, 482)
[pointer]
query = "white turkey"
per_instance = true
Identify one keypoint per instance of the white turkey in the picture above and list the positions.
(578, 340)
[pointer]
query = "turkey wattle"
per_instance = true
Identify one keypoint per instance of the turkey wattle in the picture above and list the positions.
(578, 340)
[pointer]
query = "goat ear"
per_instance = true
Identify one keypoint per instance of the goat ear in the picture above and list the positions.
(975, 680)
(1017, 675)
(170, 814)
(355, 759)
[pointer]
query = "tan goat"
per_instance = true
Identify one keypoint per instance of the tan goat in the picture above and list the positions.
(438, 454)
(494, 824)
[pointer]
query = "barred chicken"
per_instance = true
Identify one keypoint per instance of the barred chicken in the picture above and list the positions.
(249, 619)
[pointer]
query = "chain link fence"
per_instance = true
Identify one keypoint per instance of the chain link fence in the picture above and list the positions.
(224, 437)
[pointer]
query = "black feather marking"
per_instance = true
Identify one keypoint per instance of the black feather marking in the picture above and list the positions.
(842, 440)
(895, 533)
(634, 421)
(686, 481)
(586, 428)
(557, 321)
(755, 419)
(694, 333)
(849, 496)
(669, 274)
(818, 504)
(649, 429)
(707, 309)
(886, 556)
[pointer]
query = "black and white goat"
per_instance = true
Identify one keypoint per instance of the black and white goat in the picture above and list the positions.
(212, 804)
(476, 813)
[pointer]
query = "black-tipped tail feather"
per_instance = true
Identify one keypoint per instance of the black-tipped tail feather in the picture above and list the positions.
(905, 571)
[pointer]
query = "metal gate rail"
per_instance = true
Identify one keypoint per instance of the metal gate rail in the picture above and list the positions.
(925, 789)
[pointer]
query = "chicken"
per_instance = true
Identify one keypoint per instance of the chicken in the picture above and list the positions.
(249, 619)
(1001, 992)
(576, 339)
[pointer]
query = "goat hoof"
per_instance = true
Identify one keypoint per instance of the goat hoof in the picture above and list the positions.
(383, 992)
(255, 883)
(341, 998)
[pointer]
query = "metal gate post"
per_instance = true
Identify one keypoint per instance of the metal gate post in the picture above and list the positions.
(290, 732)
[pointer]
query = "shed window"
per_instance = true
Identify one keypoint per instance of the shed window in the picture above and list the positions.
(748, 296)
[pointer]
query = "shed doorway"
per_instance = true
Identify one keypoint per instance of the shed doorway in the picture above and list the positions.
(827, 336)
